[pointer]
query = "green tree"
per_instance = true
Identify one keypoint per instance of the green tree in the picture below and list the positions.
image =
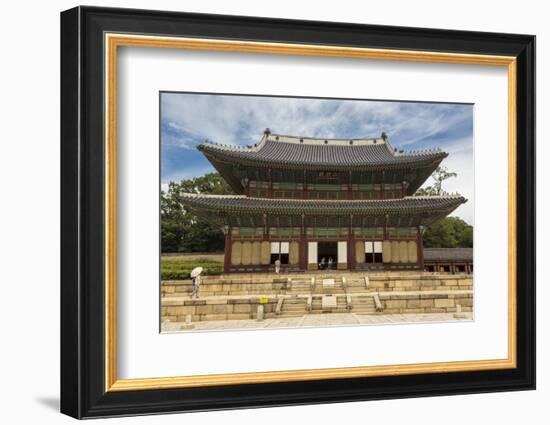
(181, 229)
(439, 175)
(172, 219)
(449, 232)
(209, 183)
(426, 191)
(467, 237)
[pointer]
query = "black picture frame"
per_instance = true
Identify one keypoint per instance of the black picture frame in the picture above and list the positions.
(83, 392)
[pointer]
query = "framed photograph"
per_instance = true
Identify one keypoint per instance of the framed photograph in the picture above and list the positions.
(261, 212)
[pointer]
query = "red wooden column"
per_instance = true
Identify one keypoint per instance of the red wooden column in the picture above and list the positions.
(351, 252)
(303, 252)
(227, 251)
(351, 245)
(303, 246)
(420, 244)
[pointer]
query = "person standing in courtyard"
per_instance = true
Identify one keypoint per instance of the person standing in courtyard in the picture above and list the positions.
(195, 281)
(277, 265)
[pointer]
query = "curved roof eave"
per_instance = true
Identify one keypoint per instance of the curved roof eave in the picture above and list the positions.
(239, 204)
(213, 153)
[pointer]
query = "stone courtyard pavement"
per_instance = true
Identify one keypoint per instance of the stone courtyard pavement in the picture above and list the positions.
(315, 320)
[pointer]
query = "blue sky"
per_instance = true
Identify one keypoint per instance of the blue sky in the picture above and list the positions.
(189, 119)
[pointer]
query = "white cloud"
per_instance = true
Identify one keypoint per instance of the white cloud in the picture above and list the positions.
(230, 120)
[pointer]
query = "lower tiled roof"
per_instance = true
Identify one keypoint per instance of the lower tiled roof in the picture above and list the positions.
(448, 254)
(242, 204)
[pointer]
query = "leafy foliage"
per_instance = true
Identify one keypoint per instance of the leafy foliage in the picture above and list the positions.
(426, 191)
(181, 229)
(449, 232)
(439, 175)
(178, 269)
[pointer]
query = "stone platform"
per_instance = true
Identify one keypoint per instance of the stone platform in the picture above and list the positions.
(239, 296)
(316, 320)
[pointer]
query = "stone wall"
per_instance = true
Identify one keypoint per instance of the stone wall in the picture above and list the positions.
(234, 296)
(250, 284)
(176, 310)
(426, 301)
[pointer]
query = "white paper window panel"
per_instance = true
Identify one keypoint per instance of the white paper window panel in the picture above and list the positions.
(275, 247)
(342, 252)
(312, 252)
(368, 247)
(378, 246)
(284, 247)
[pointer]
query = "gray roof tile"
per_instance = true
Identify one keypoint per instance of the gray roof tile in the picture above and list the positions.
(448, 254)
(290, 150)
(243, 204)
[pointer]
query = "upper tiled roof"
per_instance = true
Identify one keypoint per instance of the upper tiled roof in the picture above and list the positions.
(243, 205)
(448, 254)
(286, 151)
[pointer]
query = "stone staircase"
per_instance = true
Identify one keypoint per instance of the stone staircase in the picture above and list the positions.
(317, 306)
(363, 304)
(294, 306)
(331, 284)
(301, 285)
(357, 284)
(341, 305)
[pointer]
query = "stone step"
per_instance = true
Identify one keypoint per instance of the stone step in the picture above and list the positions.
(291, 314)
(360, 304)
(321, 290)
(294, 311)
(364, 305)
(329, 311)
(356, 306)
(361, 299)
(294, 307)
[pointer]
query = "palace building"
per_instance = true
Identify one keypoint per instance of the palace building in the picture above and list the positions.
(313, 203)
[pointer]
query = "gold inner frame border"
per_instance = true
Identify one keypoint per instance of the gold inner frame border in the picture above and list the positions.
(112, 41)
